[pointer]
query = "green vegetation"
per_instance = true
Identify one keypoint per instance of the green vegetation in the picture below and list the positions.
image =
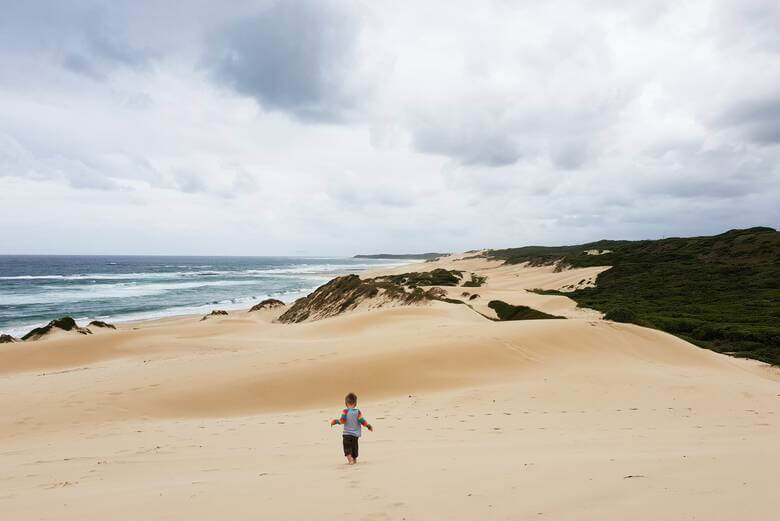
(64, 323)
(345, 293)
(543, 255)
(509, 312)
(720, 292)
(475, 282)
(621, 315)
(546, 291)
(437, 277)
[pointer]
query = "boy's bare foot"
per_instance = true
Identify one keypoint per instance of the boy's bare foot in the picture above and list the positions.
(350, 460)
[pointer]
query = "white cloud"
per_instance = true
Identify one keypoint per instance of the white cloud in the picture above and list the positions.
(328, 128)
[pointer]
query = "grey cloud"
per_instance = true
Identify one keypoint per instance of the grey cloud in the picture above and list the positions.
(529, 133)
(722, 173)
(477, 132)
(16, 160)
(188, 182)
(244, 183)
(570, 155)
(751, 23)
(477, 135)
(470, 145)
(759, 119)
(87, 38)
(293, 57)
(79, 64)
(138, 100)
(694, 188)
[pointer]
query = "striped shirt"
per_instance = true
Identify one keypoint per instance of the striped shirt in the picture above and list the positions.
(352, 419)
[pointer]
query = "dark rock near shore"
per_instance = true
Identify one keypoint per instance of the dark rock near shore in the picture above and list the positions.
(269, 303)
(8, 339)
(64, 323)
(100, 323)
(215, 313)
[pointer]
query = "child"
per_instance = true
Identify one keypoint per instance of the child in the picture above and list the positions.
(352, 419)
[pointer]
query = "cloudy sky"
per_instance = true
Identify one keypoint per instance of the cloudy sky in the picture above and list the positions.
(337, 127)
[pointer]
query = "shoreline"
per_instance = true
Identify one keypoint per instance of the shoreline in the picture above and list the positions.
(245, 304)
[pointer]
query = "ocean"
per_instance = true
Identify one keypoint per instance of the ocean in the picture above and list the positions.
(35, 289)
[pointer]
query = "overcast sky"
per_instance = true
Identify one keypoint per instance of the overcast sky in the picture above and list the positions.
(340, 127)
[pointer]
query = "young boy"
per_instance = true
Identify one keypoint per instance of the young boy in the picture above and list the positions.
(352, 419)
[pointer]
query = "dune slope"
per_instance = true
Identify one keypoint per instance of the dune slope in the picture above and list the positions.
(475, 419)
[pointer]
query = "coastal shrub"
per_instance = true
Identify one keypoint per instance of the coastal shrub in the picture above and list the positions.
(437, 277)
(215, 313)
(64, 323)
(475, 282)
(621, 315)
(268, 303)
(100, 323)
(545, 291)
(346, 293)
(510, 312)
(721, 292)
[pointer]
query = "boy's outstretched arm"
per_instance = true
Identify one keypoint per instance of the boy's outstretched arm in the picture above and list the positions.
(364, 423)
(342, 419)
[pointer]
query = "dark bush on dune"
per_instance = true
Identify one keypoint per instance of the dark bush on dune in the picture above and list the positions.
(621, 315)
(510, 312)
(64, 323)
(269, 303)
(215, 313)
(346, 293)
(100, 323)
(475, 282)
(437, 277)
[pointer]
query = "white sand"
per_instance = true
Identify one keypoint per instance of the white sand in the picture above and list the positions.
(227, 418)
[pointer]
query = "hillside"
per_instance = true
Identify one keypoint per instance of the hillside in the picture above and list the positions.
(721, 292)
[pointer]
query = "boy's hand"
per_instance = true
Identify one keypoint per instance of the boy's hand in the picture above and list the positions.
(333, 422)
(370, 427)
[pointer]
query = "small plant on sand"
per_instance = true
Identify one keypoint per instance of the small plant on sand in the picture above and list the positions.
(475, 282)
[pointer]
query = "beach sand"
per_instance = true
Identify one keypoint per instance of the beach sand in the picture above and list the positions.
(578, 419)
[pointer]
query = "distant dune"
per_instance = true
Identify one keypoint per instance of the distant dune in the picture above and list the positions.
(402, 256)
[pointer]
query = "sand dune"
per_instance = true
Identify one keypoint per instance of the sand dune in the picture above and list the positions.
(566, 419)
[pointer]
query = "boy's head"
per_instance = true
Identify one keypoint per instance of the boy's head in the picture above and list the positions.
(350, 400)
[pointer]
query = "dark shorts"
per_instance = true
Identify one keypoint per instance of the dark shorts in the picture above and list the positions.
(351, 446)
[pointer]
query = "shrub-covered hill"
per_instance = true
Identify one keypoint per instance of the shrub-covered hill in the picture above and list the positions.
(350, 291)
(721, 292)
